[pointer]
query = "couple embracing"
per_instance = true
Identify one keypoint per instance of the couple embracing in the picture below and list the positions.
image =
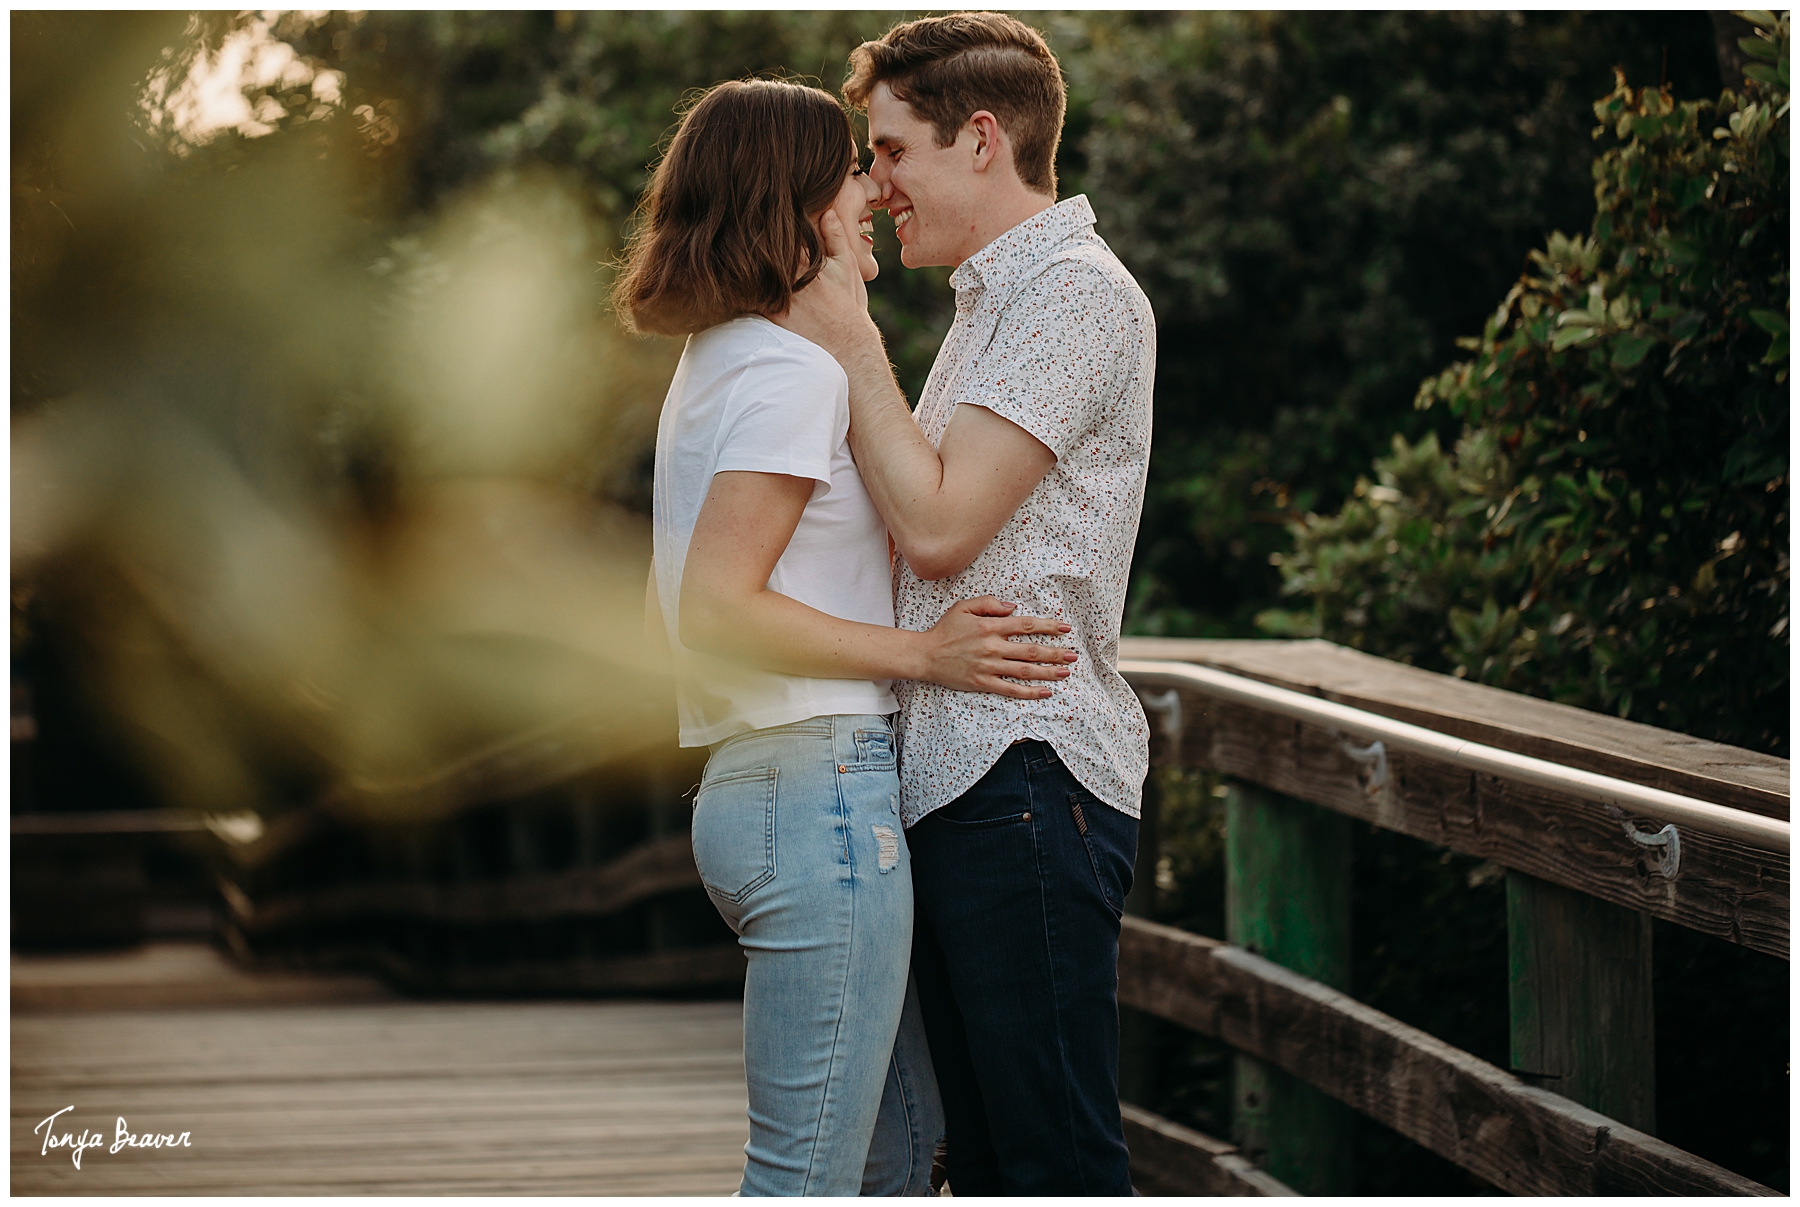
(898, 633)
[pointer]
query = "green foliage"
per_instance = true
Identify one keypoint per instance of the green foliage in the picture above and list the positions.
(1611, 529)
(1318, 203)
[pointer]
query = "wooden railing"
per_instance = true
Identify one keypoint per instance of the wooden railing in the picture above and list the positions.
(479, 876)
(551, 863)
(1600, 823)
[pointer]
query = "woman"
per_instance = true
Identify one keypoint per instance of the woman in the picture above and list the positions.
(772, 579)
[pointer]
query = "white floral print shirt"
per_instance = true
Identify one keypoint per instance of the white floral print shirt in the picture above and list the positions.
(1052, 333)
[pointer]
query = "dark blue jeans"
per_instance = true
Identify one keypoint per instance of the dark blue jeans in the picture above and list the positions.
(1019, 885)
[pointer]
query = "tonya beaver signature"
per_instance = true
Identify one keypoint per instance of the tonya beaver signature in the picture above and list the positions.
(78, 1143)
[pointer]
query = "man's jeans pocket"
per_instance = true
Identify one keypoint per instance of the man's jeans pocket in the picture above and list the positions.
(1111, 841)
(734, 833)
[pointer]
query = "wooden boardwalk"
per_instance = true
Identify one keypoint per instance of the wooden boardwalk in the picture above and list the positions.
(373, 1096)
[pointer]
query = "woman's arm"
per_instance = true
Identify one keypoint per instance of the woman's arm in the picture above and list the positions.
(727, 608)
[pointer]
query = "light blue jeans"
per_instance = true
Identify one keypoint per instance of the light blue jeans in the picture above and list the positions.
(798, 840)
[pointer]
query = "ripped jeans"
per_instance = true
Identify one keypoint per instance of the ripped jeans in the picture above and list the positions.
(797, 837)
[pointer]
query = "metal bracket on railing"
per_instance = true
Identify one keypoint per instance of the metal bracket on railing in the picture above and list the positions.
(1668, 838)
(1167, 707)
(1769, 834)
(1374, 757)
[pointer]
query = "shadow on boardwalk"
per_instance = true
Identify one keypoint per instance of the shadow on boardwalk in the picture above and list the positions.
(292, 1084)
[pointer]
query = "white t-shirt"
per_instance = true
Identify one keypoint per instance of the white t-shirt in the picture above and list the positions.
(749, 395)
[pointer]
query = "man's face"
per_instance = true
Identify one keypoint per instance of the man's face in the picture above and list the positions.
(929, 190)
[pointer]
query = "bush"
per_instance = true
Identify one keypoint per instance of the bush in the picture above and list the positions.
(1317, 204)
(1610, 530)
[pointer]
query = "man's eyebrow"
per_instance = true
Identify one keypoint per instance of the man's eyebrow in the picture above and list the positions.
(878, 141)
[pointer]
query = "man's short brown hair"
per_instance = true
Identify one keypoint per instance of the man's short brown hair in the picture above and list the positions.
(725, 228)
(947, 68)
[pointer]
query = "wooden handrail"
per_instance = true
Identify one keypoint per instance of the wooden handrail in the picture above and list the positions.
(1730, 880)
(1461, 776)
(1168, 1159)
(1740, 825)
(1522, 1139)
(1657, 823)
(659, 866)
(1571, 737)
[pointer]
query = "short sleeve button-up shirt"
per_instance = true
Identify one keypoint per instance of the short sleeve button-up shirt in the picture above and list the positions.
(1052, 333)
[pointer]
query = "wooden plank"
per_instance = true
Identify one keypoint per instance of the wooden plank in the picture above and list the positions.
(1287, 897)
(391, 1098)
(1574, 737)
(1721, 887)
(1579, 998)
(1168, 1159)
(163, 975)
(662, 865)
(1523, 1139)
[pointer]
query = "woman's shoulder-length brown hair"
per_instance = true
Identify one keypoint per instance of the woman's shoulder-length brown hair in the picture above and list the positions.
(725, 227)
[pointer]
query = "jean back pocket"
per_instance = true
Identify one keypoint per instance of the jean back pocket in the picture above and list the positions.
(734, 832)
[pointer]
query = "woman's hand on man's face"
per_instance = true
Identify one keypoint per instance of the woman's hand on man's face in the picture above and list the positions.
(833, 310)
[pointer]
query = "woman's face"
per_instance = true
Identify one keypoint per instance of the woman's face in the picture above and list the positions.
(855, 209)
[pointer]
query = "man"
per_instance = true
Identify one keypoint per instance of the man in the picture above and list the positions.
(1022, 477)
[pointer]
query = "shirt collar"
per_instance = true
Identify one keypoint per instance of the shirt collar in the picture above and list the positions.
(1012, 255)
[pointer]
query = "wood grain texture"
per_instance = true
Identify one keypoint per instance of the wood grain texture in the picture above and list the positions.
(1721, 887)
(1574, 737)
(169, 975)
(1287, 897)
(1579, 998)
(661, 865)
(1522, 1139)
(1168, 1159)
(609, 1098)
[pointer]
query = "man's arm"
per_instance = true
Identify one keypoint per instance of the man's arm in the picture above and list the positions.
(942, 506)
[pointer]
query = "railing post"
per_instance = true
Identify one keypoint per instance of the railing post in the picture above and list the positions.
(1287, 898)
(1578, 989)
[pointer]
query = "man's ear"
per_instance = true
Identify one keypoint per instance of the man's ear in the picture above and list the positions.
(989, 138)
